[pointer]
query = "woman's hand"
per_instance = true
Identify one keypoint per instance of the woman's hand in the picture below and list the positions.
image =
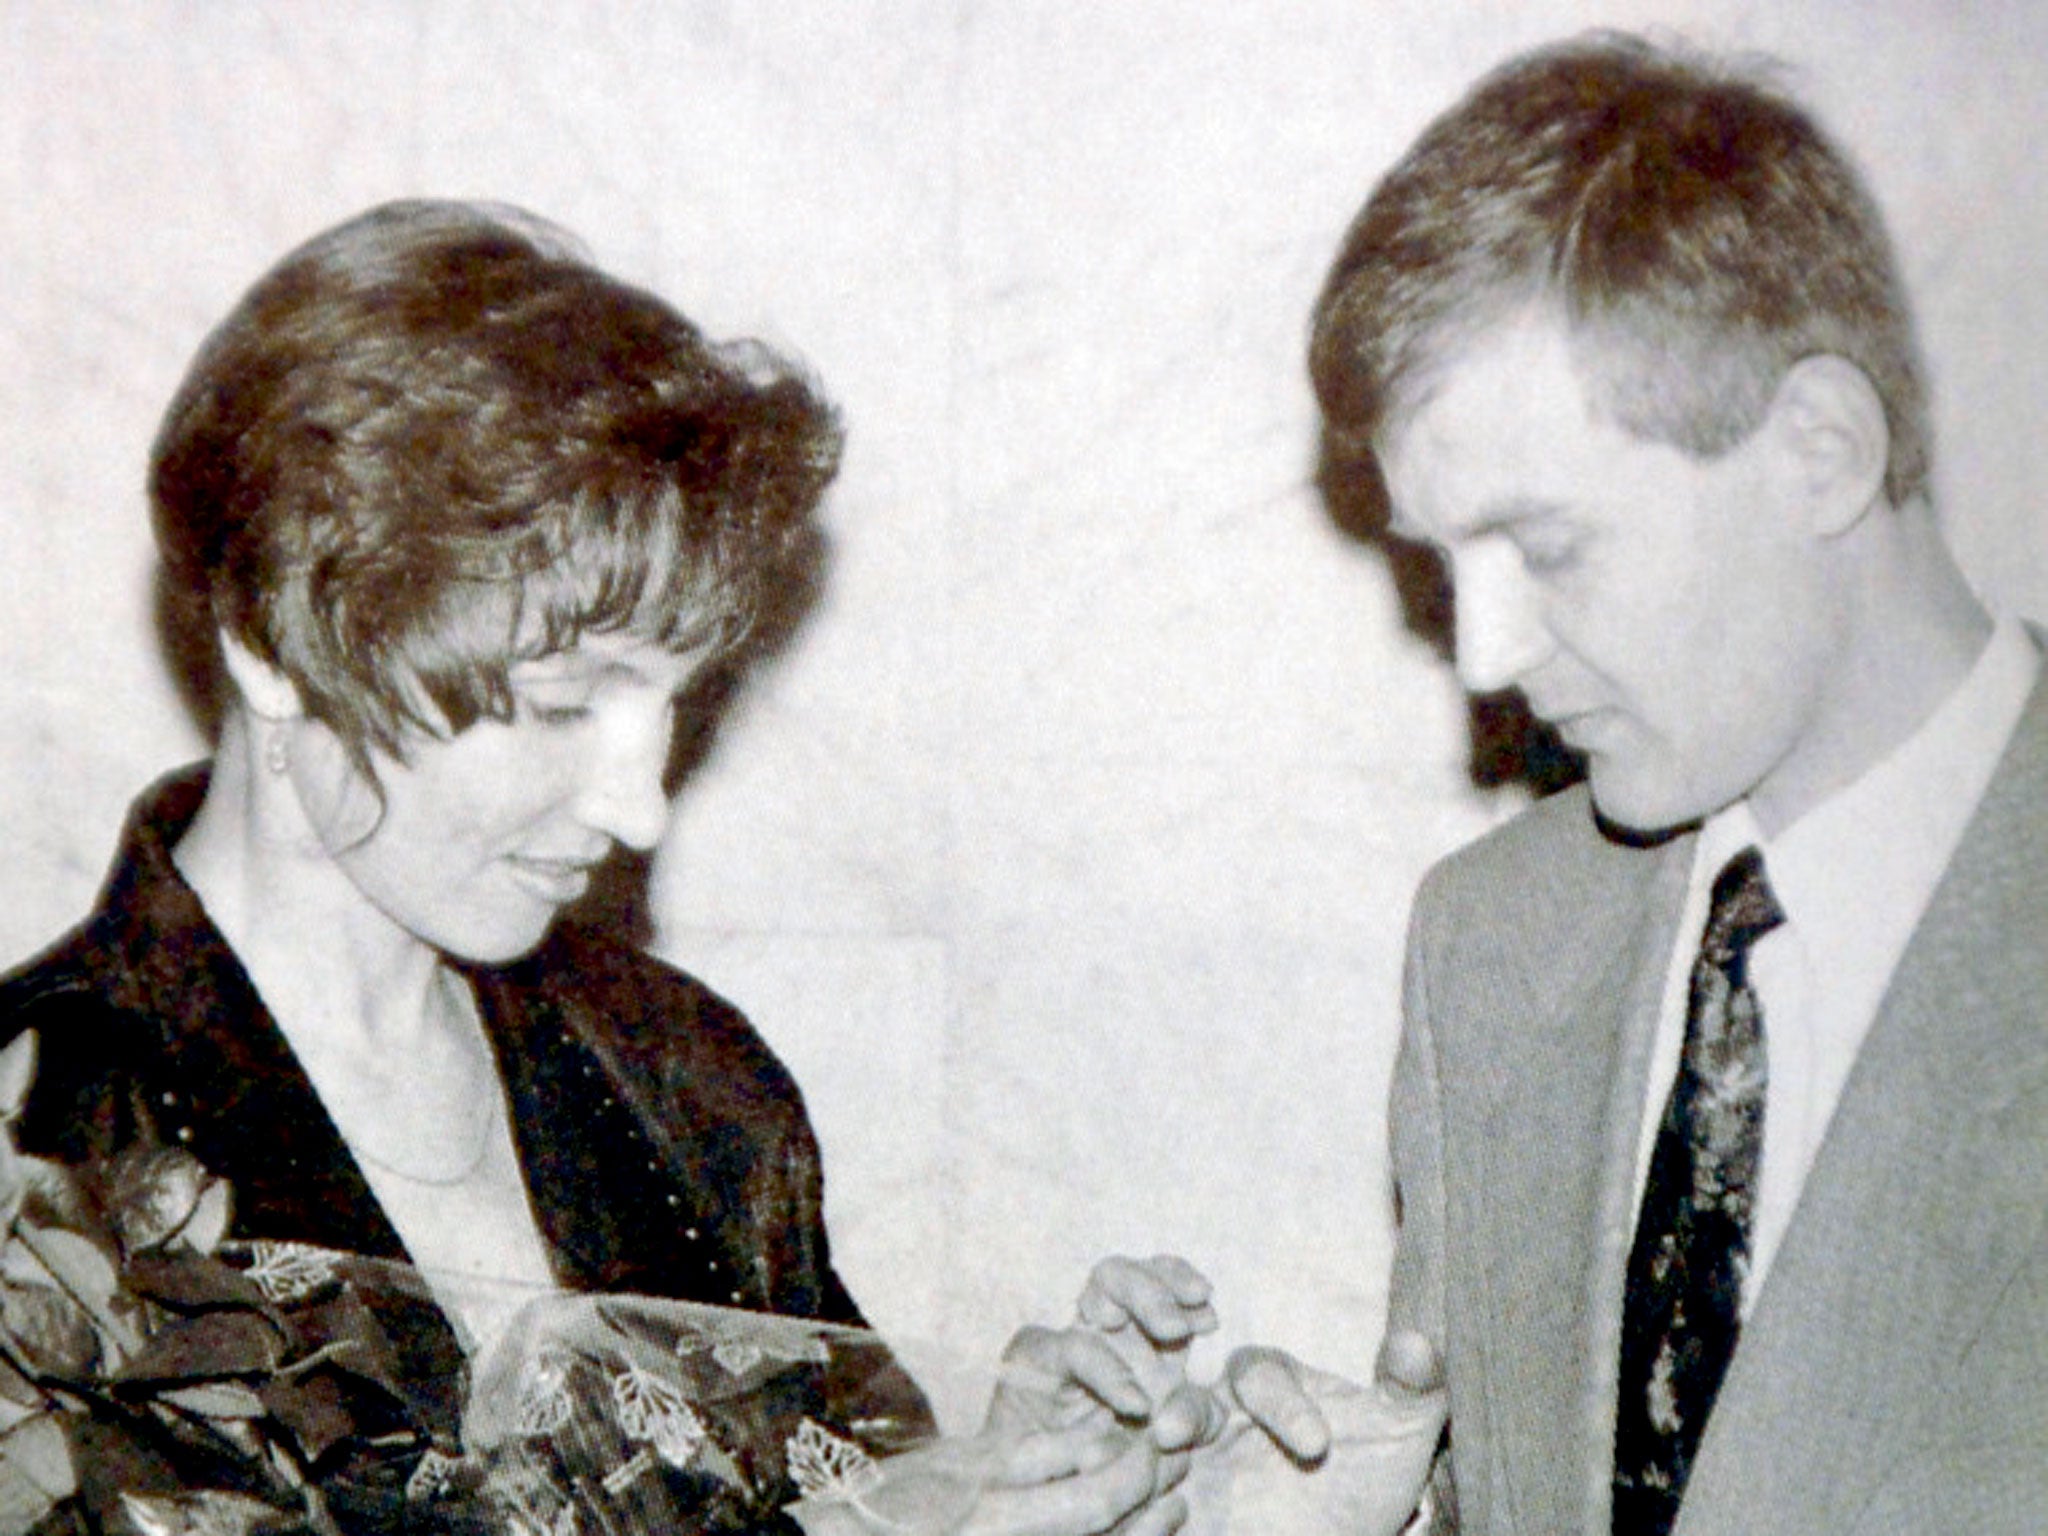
(1098, 1423)
(1084, 1478)
(1089, 1430)
(1149, 1311)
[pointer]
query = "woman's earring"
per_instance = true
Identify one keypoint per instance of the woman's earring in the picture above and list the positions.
(277, 754)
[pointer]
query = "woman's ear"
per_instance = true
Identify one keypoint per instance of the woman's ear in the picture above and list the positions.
(1832, 426)
(262, 686)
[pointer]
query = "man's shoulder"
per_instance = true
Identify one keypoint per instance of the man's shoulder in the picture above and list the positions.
(1555, 835)
(1553, 869)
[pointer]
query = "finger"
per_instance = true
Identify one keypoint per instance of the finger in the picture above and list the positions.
(1086, 1501)
(1267, 1385)
(1185, 1281)
(1057, 1362)
(1052, 1455)
(1167, 1297)
(1191, 1416)
(1119, 1288)
(1160, 1518)
(1409, 1363)
(1169, 1471)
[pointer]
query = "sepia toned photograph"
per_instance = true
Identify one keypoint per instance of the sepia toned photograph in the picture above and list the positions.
(1024, 770)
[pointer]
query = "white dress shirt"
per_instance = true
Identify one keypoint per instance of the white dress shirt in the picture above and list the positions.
(1853, 877)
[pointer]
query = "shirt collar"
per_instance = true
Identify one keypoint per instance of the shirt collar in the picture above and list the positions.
(1864, 862)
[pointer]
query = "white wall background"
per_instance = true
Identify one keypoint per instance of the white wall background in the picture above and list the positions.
(1066, 857)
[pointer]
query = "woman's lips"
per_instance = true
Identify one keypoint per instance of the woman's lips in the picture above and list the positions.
(556, 881)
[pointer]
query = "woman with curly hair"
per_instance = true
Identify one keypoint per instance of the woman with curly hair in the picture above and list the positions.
(467, 526)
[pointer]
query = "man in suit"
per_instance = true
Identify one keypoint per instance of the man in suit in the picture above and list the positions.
(1721, 1194)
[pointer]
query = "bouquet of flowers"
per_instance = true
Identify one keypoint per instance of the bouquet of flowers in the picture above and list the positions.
(157, 1379)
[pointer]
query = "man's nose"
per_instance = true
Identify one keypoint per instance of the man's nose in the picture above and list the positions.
(1500, 632)
(623, 794)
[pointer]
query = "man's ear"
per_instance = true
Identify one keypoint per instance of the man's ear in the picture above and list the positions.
(1831, 425)
(263, 687)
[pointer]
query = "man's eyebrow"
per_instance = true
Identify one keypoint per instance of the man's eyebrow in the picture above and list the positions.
(1519, 509)
(1503, 516)
(1399, 527)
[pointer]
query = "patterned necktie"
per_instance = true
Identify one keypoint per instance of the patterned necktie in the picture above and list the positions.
(1685, 1274)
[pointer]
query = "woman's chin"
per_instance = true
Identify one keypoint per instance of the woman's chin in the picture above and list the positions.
(501, 942)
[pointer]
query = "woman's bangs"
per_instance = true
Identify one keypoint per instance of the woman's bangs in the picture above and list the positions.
(635, 576)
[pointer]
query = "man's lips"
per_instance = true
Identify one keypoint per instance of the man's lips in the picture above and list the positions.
(1582, 729)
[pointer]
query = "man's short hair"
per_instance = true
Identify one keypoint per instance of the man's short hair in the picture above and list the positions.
(1695, 231)
(435, 440)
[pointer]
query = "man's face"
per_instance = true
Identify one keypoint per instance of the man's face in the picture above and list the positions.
(1666, 614)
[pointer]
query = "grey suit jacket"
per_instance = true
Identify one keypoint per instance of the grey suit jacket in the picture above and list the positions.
(1893, 1375)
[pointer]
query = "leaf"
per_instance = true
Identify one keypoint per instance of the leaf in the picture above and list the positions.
(208, 1223)
(434, 1476)
(544, 1403)
(23, 1503)
(39, 1449)
(12, 1186)
(228, 1342)
(16, 1390)
(287, 1272)
(152, 1192)
(215, 1400)
(825, 1466)
(75, 1263)
(36, 1471)
(51, 1196)
(17, 1071)
(49, 1331)
(207, 1512)
(331, 1403)
(186, 1281)
(563, 1523)
(86, 1275)
(653, 1409)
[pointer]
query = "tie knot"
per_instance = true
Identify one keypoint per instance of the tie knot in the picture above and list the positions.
(1743, 908)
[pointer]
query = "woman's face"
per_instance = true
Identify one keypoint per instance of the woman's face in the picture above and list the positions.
(482, 838)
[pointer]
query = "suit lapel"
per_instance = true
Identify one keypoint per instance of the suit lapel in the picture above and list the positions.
(1924, 1199)
(1560, 1185)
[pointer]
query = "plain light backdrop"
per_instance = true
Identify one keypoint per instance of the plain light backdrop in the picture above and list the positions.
(1066, 855)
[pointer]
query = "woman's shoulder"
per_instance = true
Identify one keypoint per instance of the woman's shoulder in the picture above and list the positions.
(61, 992)
(145, 937)
(652, 1013)
(92, 1049)
(599, 968)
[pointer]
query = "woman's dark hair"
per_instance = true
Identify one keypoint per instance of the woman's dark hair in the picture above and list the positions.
(1696, 233)
(435, 440)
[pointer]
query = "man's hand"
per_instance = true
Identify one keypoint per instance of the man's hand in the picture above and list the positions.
(1324, 1455)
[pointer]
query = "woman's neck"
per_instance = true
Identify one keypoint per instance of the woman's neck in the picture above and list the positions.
(321, 954)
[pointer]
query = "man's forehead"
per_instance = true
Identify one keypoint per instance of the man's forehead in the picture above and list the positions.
(1507, 436)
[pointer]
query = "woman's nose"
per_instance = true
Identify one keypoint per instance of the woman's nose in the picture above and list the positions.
(624, 796)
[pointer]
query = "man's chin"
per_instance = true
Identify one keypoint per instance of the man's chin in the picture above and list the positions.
(1635, 813)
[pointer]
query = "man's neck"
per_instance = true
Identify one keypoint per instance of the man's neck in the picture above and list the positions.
(1910, 630)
